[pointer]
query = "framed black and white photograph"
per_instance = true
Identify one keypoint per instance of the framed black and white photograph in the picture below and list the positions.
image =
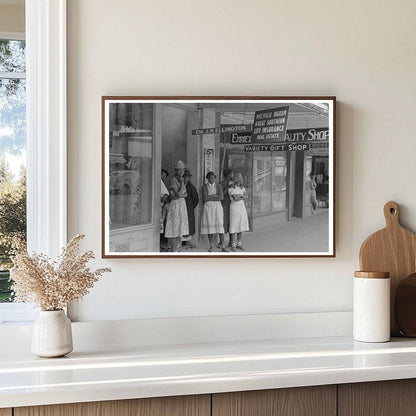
(218, 176)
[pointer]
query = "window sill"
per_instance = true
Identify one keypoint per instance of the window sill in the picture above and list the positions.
(16, 313)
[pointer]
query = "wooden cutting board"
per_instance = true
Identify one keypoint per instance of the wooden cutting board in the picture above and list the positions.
(393, 250)
(405, 306)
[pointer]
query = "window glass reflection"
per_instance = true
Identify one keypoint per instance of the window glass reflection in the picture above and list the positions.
(131, 165)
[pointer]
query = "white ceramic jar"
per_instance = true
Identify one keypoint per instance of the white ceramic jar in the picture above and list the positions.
(52, 334)
(371, 305)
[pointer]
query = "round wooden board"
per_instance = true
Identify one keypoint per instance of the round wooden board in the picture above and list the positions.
(393, 250)
(405, 306)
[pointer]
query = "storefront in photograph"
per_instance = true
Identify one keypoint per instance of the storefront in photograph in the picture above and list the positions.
(281, 153)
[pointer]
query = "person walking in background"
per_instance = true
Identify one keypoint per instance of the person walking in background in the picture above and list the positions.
(191, 201)
(226, 182)
(238, 213)
(177, 218)
(313, 186)
(212, 222)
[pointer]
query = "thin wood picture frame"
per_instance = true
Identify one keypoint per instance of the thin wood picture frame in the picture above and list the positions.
(247, 176)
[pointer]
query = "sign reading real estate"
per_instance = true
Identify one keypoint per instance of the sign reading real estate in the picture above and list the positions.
(270, 125)
(230, 128)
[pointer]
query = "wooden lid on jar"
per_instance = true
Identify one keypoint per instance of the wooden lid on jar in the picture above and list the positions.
(372, 275)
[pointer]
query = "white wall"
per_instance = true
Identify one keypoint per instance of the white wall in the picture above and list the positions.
(361, 51)
(12, 18)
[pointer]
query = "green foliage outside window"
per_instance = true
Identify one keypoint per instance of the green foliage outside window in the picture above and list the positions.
(12, 147)
(12, 223)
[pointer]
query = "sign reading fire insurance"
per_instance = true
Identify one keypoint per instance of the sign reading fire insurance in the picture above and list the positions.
(270, 125)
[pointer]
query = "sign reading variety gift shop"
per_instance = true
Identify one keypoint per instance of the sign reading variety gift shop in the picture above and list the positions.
(280, 147)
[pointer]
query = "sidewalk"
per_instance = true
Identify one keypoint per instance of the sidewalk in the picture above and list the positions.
(308, 234)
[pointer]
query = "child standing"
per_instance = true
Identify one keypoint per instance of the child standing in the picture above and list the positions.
(238, 213)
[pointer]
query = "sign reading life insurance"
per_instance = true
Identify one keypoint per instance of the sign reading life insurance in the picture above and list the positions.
(270, 125)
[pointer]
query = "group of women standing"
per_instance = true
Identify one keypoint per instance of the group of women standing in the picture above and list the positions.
(223, 211)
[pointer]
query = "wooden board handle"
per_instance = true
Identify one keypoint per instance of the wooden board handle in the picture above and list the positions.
(391, 214)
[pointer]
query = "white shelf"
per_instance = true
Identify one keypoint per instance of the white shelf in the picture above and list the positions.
(150, 371)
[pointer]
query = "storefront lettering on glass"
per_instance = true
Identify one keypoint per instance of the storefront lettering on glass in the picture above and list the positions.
(270, 125)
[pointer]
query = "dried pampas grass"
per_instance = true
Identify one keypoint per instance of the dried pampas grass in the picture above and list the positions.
(53, 285)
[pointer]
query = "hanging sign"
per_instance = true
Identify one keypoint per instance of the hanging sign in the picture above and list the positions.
(324, 145)
(282, 147)
(240, 138)
(230, 128)
(278, 147)
(319, 134)
(270, 125)
(208, 160)
(296, 141)
(318, 152)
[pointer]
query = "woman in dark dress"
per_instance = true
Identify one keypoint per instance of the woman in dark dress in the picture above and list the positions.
(192, 201)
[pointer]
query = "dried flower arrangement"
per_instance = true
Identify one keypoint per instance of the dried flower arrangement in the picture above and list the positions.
(53, 285)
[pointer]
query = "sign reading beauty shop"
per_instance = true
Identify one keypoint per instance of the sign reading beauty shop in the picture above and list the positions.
(313, 135)
(270, 125)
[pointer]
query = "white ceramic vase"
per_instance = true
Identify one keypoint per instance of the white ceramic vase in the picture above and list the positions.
(52, 334)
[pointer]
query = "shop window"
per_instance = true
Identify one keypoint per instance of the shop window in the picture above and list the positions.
(279, 181)
(131, 165)
(320, 165)
(269, 183)
(241, 162)
(262, 180)
(308, 170)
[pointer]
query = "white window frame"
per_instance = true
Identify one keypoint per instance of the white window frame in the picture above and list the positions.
(46, 126)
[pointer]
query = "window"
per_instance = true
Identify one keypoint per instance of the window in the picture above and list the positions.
(12, 155)
(131, 167)
(45, 27)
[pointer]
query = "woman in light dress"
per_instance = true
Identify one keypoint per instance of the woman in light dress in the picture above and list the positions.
(212, 222)
(177, 218)
(238, 213)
